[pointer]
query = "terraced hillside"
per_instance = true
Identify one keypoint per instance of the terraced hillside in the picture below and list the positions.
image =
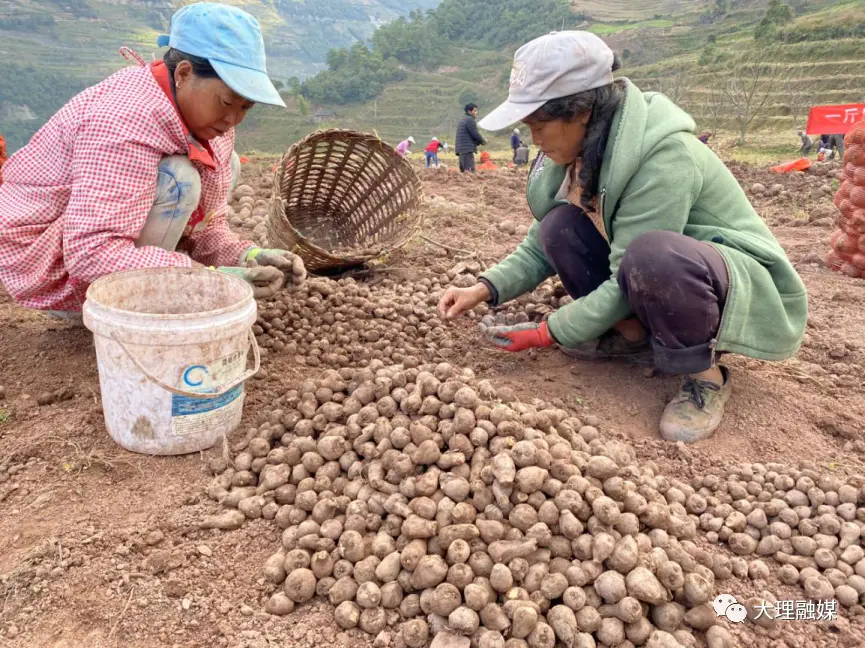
(629, 11)
(54, 48)
(423, 105)
(674, 46)
(681, 47)
(817, 59)
(81, 36)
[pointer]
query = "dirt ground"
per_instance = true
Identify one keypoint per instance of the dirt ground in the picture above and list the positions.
(101, 547)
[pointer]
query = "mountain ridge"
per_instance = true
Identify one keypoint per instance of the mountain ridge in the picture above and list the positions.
(62, 46)
(816, 56)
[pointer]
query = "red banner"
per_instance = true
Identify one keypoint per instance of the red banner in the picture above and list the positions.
(834, 120)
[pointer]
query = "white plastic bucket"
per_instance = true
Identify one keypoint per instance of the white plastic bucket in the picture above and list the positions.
(172, 346)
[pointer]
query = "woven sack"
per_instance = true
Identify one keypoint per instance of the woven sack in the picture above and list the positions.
(341, 198)
(847, 254)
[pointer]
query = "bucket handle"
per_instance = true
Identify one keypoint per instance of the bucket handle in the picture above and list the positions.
(249, 373)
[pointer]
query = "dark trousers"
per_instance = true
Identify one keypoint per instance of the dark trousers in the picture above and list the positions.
(467, 162)
(676, 285)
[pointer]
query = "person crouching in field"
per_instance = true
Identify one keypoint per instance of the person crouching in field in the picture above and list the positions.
(135, 172)
(666, 260)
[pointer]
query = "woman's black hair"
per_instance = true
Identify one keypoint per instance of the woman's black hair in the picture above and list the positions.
(201, 67)
(602, 103)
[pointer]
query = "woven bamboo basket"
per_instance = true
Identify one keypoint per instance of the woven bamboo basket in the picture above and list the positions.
(341, 198)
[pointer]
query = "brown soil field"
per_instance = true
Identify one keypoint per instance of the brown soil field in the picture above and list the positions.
(100, 547)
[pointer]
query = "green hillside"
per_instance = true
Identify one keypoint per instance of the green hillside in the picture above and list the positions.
(627, 11)
(418, 73)
(53, 48)
(423, 105)
(817, 58)
(687, 49)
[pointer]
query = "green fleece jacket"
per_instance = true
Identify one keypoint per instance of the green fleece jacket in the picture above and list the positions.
(656, 175)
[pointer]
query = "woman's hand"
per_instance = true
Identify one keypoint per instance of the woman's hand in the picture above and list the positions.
(266, 281)
(457, 301)
(290, 264)
(518, 337)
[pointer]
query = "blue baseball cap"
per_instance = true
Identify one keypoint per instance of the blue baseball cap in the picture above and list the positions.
(230, 39)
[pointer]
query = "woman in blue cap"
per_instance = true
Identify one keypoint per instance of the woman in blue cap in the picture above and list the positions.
(135, 172)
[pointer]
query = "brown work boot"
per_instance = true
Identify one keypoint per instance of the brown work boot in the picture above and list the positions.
(696, 411)
(612, 345)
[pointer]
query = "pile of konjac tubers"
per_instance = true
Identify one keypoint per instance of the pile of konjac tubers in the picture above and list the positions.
(247, 211)
(417, 504)
(531, 307)
(810, 522)
(346, 323)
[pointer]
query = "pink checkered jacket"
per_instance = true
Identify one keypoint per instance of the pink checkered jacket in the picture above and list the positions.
(74, 200)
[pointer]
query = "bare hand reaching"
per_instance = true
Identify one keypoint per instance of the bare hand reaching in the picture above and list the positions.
(457, 301)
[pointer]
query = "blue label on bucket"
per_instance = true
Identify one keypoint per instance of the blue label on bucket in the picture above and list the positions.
(186, 406)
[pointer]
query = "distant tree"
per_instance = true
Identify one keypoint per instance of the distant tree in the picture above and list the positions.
(39, 89)
(799, 6)
(469, 95)
(707, 56)
(676, 85)
(412, 42)
(715, 12)
(361, 72)
(749, 82)
(302, 104)
(337, 59)
(357, 74)
(716, 104)
(777, 14)
(799, 92)
(291, 89)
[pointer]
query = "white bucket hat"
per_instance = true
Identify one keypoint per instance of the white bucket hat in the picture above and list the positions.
(552, 66)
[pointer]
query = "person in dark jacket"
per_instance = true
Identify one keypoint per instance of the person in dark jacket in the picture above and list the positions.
(468, 139)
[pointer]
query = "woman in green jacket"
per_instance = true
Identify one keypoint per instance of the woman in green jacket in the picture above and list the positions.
(649, 232)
